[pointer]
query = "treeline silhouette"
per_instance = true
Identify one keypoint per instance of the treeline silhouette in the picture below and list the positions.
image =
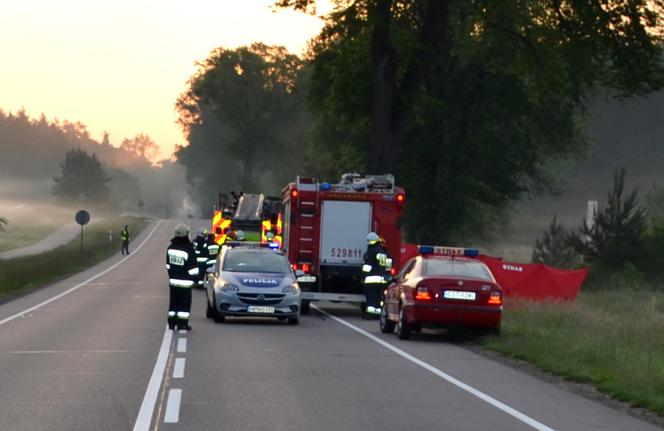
(33, 149)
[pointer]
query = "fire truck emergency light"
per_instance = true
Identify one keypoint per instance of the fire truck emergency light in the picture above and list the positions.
(448, 251)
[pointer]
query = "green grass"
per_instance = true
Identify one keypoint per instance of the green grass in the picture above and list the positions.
(252, 236)
(19, 275)
(23, 235)
(31, 223)
(613, 339)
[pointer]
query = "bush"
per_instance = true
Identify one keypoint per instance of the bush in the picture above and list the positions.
(553, 248)
(618, 235)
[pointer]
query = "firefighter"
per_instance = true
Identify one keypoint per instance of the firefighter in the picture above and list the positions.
(376, 268)
(182, 274)
(212, 250)
(201, 248)
(124, 236)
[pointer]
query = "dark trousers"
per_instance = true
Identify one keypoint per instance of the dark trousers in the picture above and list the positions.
(179, 307)
(125, 246)
(374, 293)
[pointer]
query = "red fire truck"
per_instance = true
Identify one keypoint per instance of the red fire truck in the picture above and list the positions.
(325, 228)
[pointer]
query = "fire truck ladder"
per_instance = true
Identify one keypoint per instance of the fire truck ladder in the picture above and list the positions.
(307, 213)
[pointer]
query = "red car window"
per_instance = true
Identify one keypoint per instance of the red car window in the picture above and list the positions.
(457, 268)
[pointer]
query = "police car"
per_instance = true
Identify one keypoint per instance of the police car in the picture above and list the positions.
(251, 280)
(442, 287)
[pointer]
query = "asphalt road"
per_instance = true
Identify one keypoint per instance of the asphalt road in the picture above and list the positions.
(98, 357)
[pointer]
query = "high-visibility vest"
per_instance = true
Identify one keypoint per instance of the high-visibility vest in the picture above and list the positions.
(218, 221)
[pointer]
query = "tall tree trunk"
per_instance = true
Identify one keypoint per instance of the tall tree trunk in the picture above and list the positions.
(390, 112)
(381, 157)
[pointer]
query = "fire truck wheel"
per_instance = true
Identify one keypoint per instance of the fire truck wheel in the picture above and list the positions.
(304, 307)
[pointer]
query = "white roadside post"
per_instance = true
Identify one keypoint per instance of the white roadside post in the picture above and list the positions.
(591, 213)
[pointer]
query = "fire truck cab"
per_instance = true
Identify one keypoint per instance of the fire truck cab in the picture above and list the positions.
(325, 229)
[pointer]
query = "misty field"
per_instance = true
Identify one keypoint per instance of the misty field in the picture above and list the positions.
(20, 275)
(613, 339)
(30, 222)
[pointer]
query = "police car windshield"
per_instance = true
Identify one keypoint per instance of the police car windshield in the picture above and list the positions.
(457, 268)
(254, 261)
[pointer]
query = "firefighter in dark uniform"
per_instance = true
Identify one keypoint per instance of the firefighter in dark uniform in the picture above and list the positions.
(212, 250)
(182, 274)
(376, 270)
(201, 249)
(124, 236)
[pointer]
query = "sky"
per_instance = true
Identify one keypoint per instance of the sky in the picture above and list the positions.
(119, 66)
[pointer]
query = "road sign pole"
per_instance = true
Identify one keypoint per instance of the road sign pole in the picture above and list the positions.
(82, 217)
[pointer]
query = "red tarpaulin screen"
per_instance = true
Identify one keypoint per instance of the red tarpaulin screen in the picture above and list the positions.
(530, 281)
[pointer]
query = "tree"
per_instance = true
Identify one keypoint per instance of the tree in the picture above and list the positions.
(82, 179)
(141, 145)
(553, 248)
(251, 95)
(485, 93)
(3, 223)
(617, 236)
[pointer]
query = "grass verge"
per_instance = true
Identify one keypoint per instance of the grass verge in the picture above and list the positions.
(30, 223)
(612, 339)
(20, 275)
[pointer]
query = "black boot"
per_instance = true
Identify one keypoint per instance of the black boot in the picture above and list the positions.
(183, 325)
(171, 323)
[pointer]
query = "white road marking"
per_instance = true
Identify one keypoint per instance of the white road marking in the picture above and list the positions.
(182, 345)
(481, 395)
(172, 414)
(178, 368)
(146, 411)
(78, 286)
(37, 352)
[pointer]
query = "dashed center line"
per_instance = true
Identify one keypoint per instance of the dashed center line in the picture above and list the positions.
(172, 414)
(182, 345)
(178, 368)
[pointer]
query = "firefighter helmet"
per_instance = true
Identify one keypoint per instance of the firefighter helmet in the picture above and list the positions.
(181, 230)
(202, 231)
(372, 238)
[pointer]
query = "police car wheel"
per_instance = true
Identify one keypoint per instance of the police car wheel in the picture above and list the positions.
(304, 307)
(216, 316)
(209, 312)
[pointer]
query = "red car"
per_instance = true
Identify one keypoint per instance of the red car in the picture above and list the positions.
(442, 287)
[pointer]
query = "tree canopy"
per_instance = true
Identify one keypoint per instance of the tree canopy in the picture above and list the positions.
(243, 114)
(468, 101)
(82, 179)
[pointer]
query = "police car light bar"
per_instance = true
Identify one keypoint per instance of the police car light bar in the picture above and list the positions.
(448, 251)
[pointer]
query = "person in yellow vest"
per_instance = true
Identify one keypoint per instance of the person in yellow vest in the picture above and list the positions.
(124, 236)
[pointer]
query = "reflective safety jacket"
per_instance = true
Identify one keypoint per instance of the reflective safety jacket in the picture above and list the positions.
(181, 262)
(376, 265)
(200, 247)
(124, 235)
(212, 249)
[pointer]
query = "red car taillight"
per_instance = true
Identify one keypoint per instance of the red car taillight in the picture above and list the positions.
(422, 294)
(496, 298)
